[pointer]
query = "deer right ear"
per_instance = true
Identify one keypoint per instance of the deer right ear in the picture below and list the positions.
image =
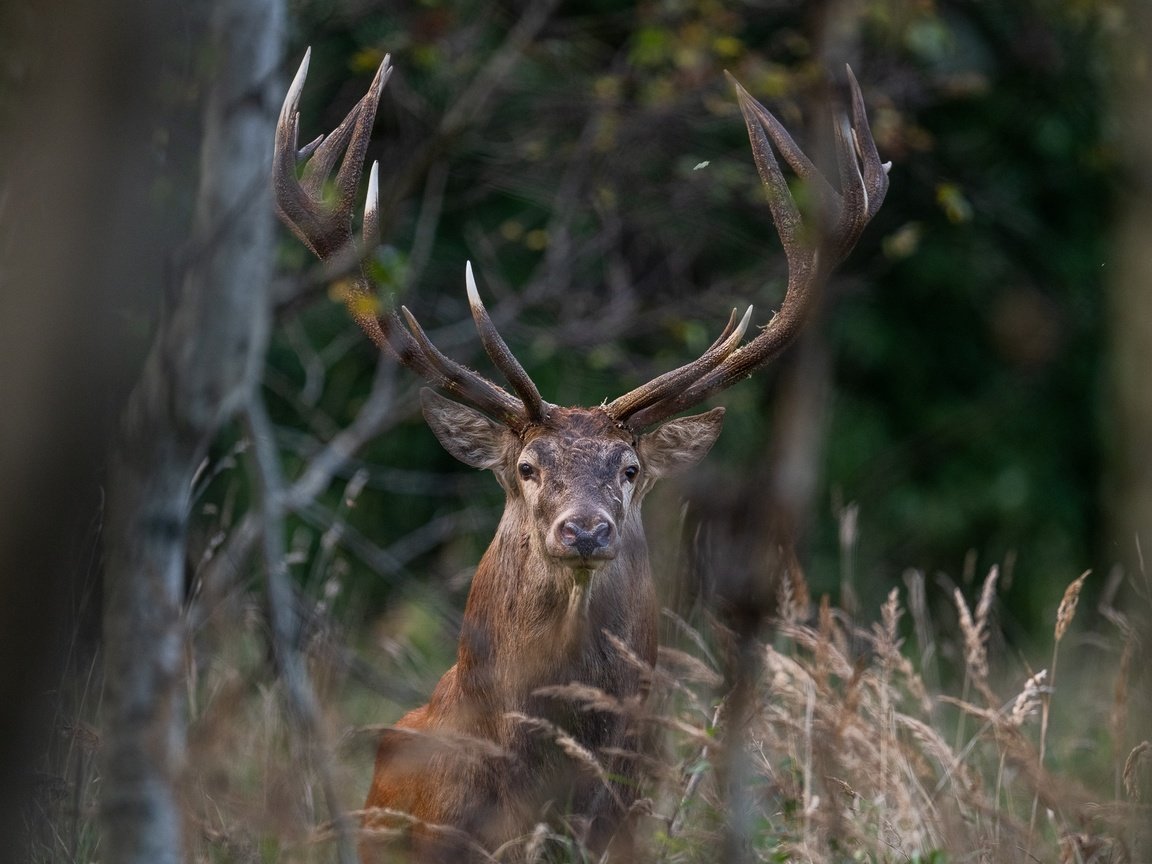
(681, 443)
(464, 432)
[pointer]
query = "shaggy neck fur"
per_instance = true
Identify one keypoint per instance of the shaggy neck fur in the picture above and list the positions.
(532, 621)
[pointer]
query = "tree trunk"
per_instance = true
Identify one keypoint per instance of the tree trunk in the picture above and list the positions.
(1128, 493)
(200, 368)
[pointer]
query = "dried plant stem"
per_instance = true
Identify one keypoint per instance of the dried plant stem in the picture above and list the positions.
(736, 770)
(676, 823)
(809, 715)
(996, 797)
(1132, 769)
(1064, 615)
(282, 624)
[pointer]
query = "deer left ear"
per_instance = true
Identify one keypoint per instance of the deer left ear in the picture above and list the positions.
(679, 444)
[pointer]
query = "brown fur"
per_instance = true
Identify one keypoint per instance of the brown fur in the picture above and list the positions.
(468, 767)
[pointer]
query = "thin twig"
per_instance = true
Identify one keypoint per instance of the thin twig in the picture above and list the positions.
(676, 821)
(282, 620)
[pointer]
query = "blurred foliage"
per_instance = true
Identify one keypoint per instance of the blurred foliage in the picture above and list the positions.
(600, 179)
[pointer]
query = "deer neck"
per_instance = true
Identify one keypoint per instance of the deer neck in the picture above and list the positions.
(531, 621)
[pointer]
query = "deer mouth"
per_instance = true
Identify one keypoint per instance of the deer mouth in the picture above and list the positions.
(589, 560)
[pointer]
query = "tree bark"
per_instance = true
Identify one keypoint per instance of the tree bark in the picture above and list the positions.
(74, 149)
(200, 368)
(1128, 493)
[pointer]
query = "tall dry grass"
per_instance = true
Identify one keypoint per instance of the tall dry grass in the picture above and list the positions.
(849, 753)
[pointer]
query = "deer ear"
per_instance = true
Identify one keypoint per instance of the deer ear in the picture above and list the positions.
(465, 432)
(680, 443)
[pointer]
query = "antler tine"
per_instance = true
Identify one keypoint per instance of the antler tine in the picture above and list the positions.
(350, 138)
(796, 158)
(326, 229)
(497, 349)
(348, 175)
(727, 331)
(811, 255)
(291, 202)
(874, 172)
(852, 214)
(370, 230)
(664, 385)
(424, 358)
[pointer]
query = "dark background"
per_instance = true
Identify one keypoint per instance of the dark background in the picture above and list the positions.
(954, 390)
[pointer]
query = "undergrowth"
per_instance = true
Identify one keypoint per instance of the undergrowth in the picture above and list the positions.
(848, 750)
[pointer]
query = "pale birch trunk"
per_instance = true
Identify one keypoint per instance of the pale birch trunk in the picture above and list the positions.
(198, 372)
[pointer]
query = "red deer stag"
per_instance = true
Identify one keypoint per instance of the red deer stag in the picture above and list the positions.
(564, 595)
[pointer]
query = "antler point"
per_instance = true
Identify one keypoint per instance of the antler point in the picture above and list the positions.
(744, 323)
(470, 282)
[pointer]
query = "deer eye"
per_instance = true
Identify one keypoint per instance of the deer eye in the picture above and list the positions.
(630, 472)
(526, 470)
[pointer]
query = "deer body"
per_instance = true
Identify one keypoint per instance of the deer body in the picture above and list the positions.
(541, 614)
(538, 717)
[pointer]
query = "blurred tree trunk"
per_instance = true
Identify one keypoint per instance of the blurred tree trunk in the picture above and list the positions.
(1131, 309)
(201, 366)
(1130, 295)
(75, 141)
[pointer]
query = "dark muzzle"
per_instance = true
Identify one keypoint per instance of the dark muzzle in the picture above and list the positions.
(586, 543)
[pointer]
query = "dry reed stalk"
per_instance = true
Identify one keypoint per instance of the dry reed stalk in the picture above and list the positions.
(915, 683)
(793, 597)
(975, 650)
(676, 821)
(644, 669)
(372, 831)
(681, 667)
(822, 647)
(827, 657)
(807, 801)
(1140, 753)
(575, 751)
(987, 597)
(1067, 609)
(421, 745)
(1118, 716)
(1027, 704)
(693, 635)
(590, 698)
(849, 518)
(535, 846)
(887, 642)
(697, 734)
(1065, 612)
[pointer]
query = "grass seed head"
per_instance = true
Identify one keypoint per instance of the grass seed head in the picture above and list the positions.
(1140, 753)
(1067, 610)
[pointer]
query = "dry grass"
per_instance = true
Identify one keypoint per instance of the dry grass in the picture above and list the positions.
(849, 754)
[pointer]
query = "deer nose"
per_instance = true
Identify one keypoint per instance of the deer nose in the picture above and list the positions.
(586, 539)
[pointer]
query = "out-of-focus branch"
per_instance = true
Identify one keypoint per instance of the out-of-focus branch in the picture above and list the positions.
(283, 621)
(377, 414)
(474, 100)
(1130, 303)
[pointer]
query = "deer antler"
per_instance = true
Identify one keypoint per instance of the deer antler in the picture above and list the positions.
(842, 216)
(326, 228)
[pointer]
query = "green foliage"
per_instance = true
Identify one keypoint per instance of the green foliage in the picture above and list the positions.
(604, 190)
